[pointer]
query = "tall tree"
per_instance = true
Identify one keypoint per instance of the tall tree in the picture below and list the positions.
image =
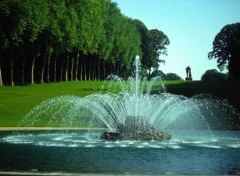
(37, 21)
(13, 23)
(226, 48)
(145, 43)
(90, 30)
(153, 44)
(42, 41)
(159, 42)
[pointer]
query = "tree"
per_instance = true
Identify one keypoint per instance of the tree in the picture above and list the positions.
(37, 21)
(172, 76)
(213, 74)
(153, 44)
(1, 82)
(226, 48)
(12, 25)
(44, 41)
(158, 44)
(145, 36)
(157, 72)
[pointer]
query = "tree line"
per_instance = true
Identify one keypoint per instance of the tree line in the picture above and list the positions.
(66, 40)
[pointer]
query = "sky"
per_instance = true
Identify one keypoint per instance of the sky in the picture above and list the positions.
(191, 26)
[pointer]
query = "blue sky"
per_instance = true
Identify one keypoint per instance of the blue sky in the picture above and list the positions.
(191, 26)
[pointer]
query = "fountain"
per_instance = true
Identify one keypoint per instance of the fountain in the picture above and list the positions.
(130, 131)
(132, 112)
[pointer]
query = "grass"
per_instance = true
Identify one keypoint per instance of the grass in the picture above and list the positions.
(17, 101)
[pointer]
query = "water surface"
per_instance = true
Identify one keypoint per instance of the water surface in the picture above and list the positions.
(193, 152)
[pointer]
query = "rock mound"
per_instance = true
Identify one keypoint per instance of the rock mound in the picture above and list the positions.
(135, 128)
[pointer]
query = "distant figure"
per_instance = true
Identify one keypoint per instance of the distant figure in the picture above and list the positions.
(189, 74)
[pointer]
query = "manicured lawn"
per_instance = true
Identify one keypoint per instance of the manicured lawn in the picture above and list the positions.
(16, 102)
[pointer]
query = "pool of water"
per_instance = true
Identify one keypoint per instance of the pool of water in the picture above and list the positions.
(194, 152)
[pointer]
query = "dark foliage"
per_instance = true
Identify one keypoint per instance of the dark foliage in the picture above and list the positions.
(226, 49)
(211, 75)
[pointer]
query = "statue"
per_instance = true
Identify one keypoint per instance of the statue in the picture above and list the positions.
(189, 74)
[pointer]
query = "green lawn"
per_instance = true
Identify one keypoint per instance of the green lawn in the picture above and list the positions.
(16, 102)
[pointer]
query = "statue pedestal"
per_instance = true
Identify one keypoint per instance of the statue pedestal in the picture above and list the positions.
(188, 79)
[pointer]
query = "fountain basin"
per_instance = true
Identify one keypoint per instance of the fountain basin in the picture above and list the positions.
(82, 153)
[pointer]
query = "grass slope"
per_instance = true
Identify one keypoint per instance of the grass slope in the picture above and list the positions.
(16, 102)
